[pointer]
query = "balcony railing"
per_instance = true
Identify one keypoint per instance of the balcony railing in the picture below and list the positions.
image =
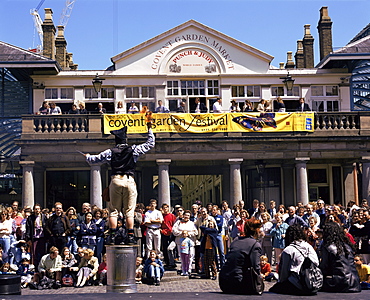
(347, 123)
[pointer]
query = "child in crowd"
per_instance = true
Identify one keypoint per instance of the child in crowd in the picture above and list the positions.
(208, 248)
(185, 245)
(153, 268)
(139, 270)
(26, 271)
(102, 270)
(5, 269)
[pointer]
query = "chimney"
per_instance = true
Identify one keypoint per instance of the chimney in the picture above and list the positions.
(308, 47)
(299, 57)
(290, 63)
(61, 49)
(281, 66)
(70, 63)
(325, 33)
(48, 30)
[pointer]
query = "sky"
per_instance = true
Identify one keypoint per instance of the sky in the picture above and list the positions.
(100, 29)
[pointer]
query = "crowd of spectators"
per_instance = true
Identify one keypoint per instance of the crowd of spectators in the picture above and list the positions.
(68, 247)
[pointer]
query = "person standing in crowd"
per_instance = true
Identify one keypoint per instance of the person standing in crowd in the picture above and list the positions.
(254, 207)
(240, 225)
(291, 261)
(272, 210)
(82, 109)
(75, 230)
(153, 221)
(266, 236)
(166, 233)
(138, 222)
(217, 106)
(261, 106)
(277, 233)
(6, 228)
(86, 207)
(35, 234)
(161, 108)
(58, 228)
(220, 228)
(208, 248)
(186, 244)
(88, 232)
(310, 213)
(199, 107)
(340, 274)
(100, 228)
(248, 106)
(234, 107)
(244, 251)
(122, 189)
(185, 225)
(280, 105)
(321, 212)
(294, 219)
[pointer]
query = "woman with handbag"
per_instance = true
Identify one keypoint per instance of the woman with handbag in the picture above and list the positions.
(241, 272)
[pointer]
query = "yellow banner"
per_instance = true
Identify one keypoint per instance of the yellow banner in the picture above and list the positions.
(206, 123)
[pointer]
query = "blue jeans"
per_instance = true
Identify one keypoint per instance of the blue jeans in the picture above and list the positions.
(99, 247)
(5, 243)
(221, 254)
(72, 245)
(154, 272)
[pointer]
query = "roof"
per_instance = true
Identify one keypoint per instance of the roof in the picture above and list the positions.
(192, 23)
(363, 33)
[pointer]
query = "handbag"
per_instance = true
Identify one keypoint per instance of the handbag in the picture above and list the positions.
(105, 194)
(255, 280)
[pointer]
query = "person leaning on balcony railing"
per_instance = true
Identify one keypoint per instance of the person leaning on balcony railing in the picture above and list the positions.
(302, 106)
(54, 109)
(44, 109)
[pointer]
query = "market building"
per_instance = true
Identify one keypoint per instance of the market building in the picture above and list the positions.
(329, 160)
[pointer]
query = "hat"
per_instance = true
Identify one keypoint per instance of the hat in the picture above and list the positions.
(120, 136)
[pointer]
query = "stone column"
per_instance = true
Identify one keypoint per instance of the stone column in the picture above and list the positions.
(28, 188)
(164, 195)
(235, 181)
(96, 190)
(349, 191)
(366, 178)
(302, 180)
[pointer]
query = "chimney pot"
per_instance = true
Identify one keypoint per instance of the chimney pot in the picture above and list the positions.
(281, 66)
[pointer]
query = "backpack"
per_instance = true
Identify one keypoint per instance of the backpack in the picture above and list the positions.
(67, 280)
(310, 275)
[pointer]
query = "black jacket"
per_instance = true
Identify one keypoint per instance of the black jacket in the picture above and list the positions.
(212, 233)
(244, 252)
(30, 226)
(340, 274)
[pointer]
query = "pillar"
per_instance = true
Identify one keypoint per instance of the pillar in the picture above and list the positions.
(28, 188)
(96, 190)
(366, 178)
(235, 181)
(302, 180)
(164, 194)
(349, 183)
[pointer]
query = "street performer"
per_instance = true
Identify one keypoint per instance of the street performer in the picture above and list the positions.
(122, 188)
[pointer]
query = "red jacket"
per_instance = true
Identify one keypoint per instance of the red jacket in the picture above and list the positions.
(168, 221)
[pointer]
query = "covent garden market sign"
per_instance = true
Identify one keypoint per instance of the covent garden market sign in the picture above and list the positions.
(211, 122)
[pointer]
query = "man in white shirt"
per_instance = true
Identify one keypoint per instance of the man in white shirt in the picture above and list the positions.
(161, 108)
(217, 106)
(153, 220)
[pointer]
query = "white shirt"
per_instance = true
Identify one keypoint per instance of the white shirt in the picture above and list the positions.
(152, 215)
(217, 108)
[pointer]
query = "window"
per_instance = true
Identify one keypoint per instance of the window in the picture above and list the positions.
(172, 88)
(294, 92)
(192, 87)
(321, 90)
(237, 91)
(140, 92)
(253, 91)
(107, 93)
(277, 91)
(51, 93)
(66, 93)
(328, 105)
(90, 93)
(212, 87)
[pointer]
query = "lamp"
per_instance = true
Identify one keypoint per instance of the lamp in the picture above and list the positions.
(288, 81)
(97, 83)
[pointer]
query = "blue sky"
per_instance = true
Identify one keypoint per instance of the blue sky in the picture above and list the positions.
(99, 29)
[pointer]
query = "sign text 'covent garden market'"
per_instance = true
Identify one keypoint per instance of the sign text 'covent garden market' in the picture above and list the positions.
(209, 122)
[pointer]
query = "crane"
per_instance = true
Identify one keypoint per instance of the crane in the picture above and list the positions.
(38, 22)
(66, 12)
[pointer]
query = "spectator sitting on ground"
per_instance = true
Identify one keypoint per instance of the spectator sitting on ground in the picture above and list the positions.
(50, 266)
(87, 268)
(139, 270)
(102, 271)
(153, 268)
(363, 272)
